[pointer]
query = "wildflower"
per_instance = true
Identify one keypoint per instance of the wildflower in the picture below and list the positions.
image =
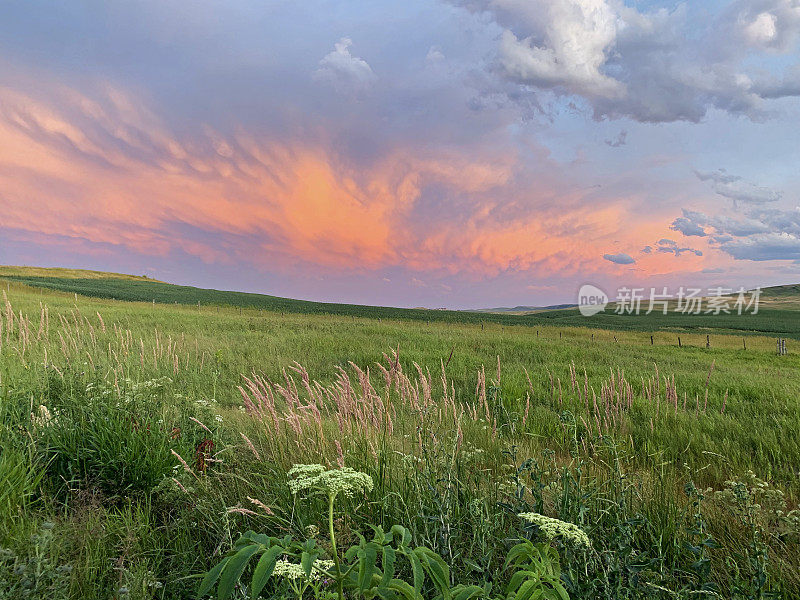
(552, 528)
(316, 478)
(312, 531)
(292, 571)
(42, 417)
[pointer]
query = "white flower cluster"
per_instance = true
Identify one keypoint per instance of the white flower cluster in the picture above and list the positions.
(290, 570)
(42, 417)
(552, 528)
(331, 482)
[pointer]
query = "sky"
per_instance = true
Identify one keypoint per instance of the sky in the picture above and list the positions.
(458, 154)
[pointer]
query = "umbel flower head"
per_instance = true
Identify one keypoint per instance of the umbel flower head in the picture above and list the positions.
(316, 478)
(289, 570)
(552, 528)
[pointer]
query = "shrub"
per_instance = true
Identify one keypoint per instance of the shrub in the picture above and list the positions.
(368, 569)
(119, 440)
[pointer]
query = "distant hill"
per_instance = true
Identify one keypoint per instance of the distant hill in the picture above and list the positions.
(24, 272)
(779, 314)
(522, 310)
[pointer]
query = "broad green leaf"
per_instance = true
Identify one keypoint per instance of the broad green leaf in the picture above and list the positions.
(389, 557)
(527, 590)
(263, 570)
(233, 570)
(440, 573)
(366, 565)
(405, 590)
(419, 574)
(518, 578)
(307, 562)
(468, 592)
(560, 590)
(211, 578)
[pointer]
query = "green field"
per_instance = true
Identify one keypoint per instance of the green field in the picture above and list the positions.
(779, 314)
(681, 464)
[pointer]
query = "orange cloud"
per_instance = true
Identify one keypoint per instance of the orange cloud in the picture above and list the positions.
(108, 171)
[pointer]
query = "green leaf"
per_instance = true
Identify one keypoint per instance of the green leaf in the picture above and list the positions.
(389, 557)
(307, 562)
(263, 570)
(403, 533)
(527, 590)
(519, 551)
(233, 570)
(437, 569)
(518, 578)
(366, 565)
(560, 590)
(404, 589)
(211, 578)
(467, 592)
(419, 574)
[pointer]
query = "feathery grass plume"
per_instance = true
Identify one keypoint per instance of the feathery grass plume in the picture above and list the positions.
(250, 445)
(552, 528)
(261, 505)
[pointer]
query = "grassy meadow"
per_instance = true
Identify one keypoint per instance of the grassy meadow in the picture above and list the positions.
(139, 440)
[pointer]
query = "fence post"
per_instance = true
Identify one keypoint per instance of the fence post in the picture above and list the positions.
(679, 342)
(708, 341)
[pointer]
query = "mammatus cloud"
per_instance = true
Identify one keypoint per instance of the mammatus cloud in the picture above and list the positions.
(105, 170)
(735, 188)
(619, 259)
(343, 70)
(640, 64)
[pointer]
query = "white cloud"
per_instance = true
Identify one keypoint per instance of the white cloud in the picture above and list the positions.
(643, 65)
(768, 24)
(738, 190)
(762, 30)
(565, 43)
(345, 71)
(759, 235)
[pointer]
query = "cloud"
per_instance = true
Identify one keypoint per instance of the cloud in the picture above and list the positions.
(687, 227)
(761, 247)
(627, 63)
(345, 71)
(758, 235)
(619, 259)
(772, 25)
(106, 170)
(738, 190)
(564, 44)
(647, 250)
(667, 246)
(620, 140)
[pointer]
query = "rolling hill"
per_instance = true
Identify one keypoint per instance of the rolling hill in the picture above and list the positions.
(779, 314)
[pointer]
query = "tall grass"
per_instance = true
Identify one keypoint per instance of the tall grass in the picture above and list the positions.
(138, 443)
